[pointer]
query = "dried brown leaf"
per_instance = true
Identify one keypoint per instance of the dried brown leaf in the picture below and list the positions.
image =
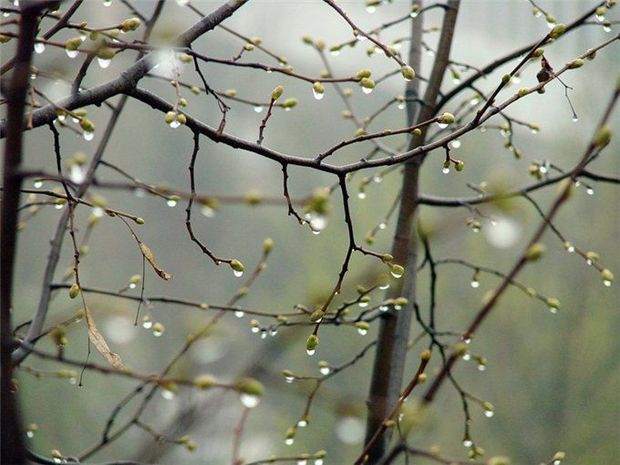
(99, 342)
(150, 257)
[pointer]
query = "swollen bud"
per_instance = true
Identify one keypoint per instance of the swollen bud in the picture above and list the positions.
(205, 381)
(312, 343)
(236, 265)
(603, 136)
(249, 386)
(557, 31)
(408, 73)
(267, 245)
(576, 63)
(74, 291)
(277, 93)
(130, 24)
(535, 251)
(368, 83)
(446, 118)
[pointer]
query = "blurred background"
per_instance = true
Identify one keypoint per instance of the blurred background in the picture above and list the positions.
(553, 379)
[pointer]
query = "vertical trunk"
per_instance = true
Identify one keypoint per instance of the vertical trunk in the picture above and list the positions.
(12, 443)
(387, 375)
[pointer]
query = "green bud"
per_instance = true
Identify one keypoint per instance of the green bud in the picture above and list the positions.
(267, 245)
(592, 256)
(603, 136)
(321, 454)
(135, 279)
(185, 58)
(425, 355)
(317, 315)
(307, 40)
(367, 83)
(182, 102)
(557, 30)
(312, 342)
(408, 73)
(106, 53)
(87, 125)
(538, 52)
(236, 265)
(416, 132)
(290, 433)
(522, 92)
(535, 251)
(230, 92)
(363, 73)
(249, 386)
(205, 381)
(73, 44)
(387, 258)
(363, 325)
(248, 47)
(318, 87)
(460, 349)
(130, 24)
(74, 291)
(559, 456)
(359, 132)
(446, 118)
(290, 103)
(4, 39)
(397, 270)
(139, 220)
(288, 373)
(389, 423)
(553, 302)
(607, 275)
(195, 90)
(576, 63)
(459, 165)
(505, 78)
(277, 93)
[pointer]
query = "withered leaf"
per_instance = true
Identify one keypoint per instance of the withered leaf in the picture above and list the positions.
(148, 255)
(99, 342)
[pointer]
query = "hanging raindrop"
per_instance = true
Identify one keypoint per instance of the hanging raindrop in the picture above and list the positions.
(475, 283)
(310, 351)
(238, 273)
(171, 203)
(367, 90)
(39, 48)
(248, 400)
(442, 125)
(72, 53)
(103, 62)
(239, 313)
(258, 109)
(207, 211)
(88, 135)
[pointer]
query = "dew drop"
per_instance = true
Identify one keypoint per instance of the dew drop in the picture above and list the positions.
(445, 170)
(255, 329)
(362, 331)
(570, 249)
(174, 124)
(367, 90)
(239, 313)
(38, 184)
(171, 203)
(167, 394)
(377, 179)
(237, 273)
(289, 441)
(607, 282)
(132, 285)
(455, 144)
(442, 125)
(310, 351)
(467, 442)
(258, 109)
(103, 63)
(289, 379)
(590, 191)
(182, 2)
(396, 273)
(273, 332)
(318, 95)
(302, 423)
(575, 119)
(76, 174)
(147, 323)
(475, 284)
(249, 400)
(39, 48)
(158, 329)
(553, 310)
(481, 367)
(384, 286)
(489, 413)
(467, 340)
(334, 53)
(467, 357)
(318, 462)
(384, 308)
(302, 462)
(88, 135)
(600, 18)
(607, 27)
(534, 131)
(29, 434)
(72, 53)
(324, 371)
(371, 9)
(361, 195)
(401, 106)
(207, 211)
(413, 14)
(382, 225)
(59, 206)
(107, 2)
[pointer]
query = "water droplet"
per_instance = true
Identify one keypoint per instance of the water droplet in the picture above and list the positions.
(371, 9)
(76, 174)
(29, 434)
(455, 144)
(534, 131)
(255, 329)
(289, 379)
(467, 340)
(302, 462)
(318, 95)
(600, 18)
(489, 413)
(361, 195)
(103, 63)
(182, 2)
(467, 356)
(310, 351)
(363, 304)
(132, 285)
(430, 53)
(481, 367)
(317, 223)
(158, 329)
(377, 179)
(88, 136)
(401, 106)
(289, 441)
(467, 442)
(39, 48)
(107, 2)
(397, 273)
(248, 400)
(325, 370)
(382, 225)
(59, 206)
(556, 462)
(607, 282)
(171, 203)
(384, 286)
(167, 394)
(442, 125)
(239, 313)
(37, 184)
(553, 310)
(384, 308)
(147, 323)
(302, 423)
(73, 380)
(607, 27)
(570, 249)
(550, 24)
(445, 170)
(414, 14)
(590, 191)
(72, 53)
(318, 462)
(237, 273)
(207, 211)
(273, 332)
(367, 90)
(475, 284)
(334, 53)
(362, 331)
(258, 109)
(98, 212)
(575, 119)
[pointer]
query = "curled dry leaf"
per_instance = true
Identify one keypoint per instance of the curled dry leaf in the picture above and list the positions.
(99, 342)
(148, 255)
